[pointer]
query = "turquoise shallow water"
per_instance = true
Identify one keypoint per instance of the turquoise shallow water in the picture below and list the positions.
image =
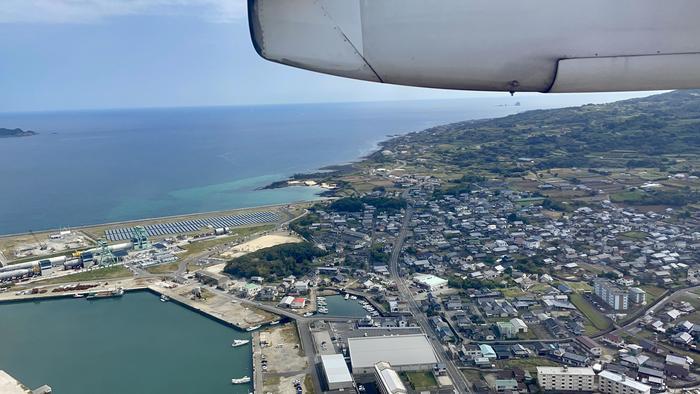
(133, 344)
(88, 167)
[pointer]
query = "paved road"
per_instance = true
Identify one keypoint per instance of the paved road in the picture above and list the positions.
(461, 384)
(658, 305)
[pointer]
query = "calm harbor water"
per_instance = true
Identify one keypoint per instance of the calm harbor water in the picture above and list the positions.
(88, 167)
(132, 344)
(339, 306)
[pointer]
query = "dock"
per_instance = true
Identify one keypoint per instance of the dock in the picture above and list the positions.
(257, 363)
(10, 385)
(215, 306)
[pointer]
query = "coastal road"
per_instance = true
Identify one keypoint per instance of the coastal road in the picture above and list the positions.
(461, 384)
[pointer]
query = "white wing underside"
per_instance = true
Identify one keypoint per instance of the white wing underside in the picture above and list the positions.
(493, 45)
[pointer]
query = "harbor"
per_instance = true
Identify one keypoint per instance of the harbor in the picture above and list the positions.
(146, 340)
(338, 305)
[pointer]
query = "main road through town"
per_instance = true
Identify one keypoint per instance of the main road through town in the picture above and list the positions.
(461, 384)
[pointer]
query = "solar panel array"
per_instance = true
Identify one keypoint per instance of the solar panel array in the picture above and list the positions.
(187, 226)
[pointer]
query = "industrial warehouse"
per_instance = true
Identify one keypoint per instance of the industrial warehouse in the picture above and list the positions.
(336, 372)
(404, 353)
(129, 245)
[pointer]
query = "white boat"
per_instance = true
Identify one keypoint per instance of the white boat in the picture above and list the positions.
(353, 297)
(321, 298)
(252, 328)
(347, 296)
(307, 314)
(245, 379)
(164, 298)
(78, 295)
(274, 323)
(239, 342)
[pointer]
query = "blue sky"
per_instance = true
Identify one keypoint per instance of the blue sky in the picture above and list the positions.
(85, 54)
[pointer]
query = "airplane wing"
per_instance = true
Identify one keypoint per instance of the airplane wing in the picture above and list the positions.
(492, 45)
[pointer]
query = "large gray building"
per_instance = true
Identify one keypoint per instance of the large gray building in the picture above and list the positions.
(404, 352)
(613, 295)
(336, 372)
(566, 379)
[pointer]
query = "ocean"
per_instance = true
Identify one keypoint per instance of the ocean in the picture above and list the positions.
(90, 167)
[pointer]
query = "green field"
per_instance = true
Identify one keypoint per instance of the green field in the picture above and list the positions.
(579, 287)
(234, 235)
(635, 235)
(421, 380)
(113, 272)
(597, 319)
(653, 292)
(629, 196)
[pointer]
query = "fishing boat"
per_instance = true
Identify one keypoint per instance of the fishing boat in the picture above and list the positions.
(321, 298)
(105, 294)
(322, 310)
(245, 379)
(353, 297)
(164, 298)
(274, 323)
(78, 295)
(252, 328)
(347, 296)
(239, 342)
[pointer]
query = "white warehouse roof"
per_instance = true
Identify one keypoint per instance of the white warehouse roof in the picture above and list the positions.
(335, 368)
(389, 379)
(397, 350)
(429, 280)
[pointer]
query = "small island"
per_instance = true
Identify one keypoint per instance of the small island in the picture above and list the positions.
(7, 133)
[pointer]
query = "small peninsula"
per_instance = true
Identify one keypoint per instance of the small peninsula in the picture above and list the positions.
(8, 133)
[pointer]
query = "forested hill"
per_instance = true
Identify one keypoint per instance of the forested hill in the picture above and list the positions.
(7, 133)
(630, 133)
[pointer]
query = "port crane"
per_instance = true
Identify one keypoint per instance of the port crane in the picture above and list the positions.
(106, 255)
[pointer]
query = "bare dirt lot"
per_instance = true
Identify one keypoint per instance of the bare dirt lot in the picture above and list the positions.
(285, 360)
(265, 241)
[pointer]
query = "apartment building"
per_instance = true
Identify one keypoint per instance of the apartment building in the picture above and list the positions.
(613, 383)
(566, 379)
(611, 294)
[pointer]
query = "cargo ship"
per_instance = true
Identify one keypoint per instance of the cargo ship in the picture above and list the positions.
(105, 294)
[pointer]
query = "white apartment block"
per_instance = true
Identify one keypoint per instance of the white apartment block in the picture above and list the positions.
(566, 379)
(609, 292)
(612, 383)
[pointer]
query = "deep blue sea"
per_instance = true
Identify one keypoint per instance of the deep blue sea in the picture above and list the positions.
(88, 167)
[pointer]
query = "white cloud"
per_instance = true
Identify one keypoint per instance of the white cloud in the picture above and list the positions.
(89, 11)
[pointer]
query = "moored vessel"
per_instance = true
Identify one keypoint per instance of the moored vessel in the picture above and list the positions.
(239, 342)
(244, 379)
(105, 294)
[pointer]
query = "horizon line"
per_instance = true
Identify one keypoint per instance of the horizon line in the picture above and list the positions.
(197, 106)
